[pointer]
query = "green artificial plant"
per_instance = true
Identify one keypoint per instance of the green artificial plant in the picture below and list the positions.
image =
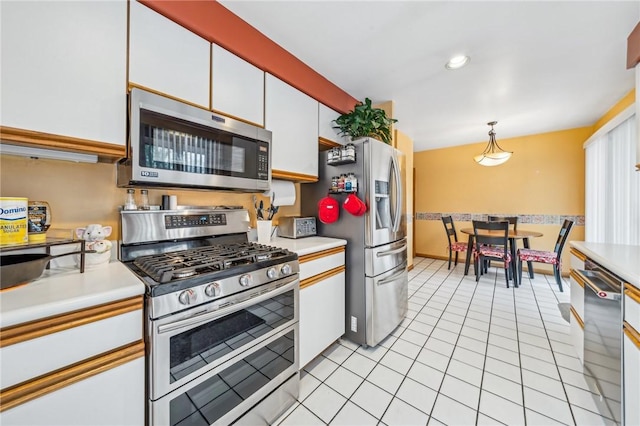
(365, 121)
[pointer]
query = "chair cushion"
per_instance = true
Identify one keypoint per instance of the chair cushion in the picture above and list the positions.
(459, 246)
(497, 252)
(528, 255)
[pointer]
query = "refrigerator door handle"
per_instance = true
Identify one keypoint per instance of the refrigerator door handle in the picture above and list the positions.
(392, 278)
(390, 252)
(397, 219)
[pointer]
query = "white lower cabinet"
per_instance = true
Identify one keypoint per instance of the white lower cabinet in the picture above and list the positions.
(631, 355)
(322, 301)
(577, 303)
(631, 393)
(113, 397)
(322, 310)
(84, 367)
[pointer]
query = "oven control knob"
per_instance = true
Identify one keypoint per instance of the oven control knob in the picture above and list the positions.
(245, 280)
(212, 290)
(286, 269)
(187, 297)
(272, 273)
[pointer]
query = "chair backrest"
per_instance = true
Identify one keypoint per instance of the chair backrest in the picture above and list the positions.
(450, 228)
(562, 236)
(513, 220)
(498, 237)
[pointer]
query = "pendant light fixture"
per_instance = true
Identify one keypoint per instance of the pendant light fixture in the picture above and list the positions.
(492, 155)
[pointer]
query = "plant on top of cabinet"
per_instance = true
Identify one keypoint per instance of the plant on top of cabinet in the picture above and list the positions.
(366, 121)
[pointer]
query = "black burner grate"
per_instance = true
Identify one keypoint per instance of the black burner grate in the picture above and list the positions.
(181, 264)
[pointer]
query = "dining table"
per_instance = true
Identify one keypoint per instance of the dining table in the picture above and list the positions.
(513, 236)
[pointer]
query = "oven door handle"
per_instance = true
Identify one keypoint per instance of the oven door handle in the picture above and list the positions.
(202, 317)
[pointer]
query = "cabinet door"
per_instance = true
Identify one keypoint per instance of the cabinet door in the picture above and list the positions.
(237, 87)
(322, 310)
(113, 397)
(64, 68)
(325, 125)
(166, 57)
(631, 371)
(292, 116)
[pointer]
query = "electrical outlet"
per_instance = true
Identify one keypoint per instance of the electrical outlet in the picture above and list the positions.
(354, 324)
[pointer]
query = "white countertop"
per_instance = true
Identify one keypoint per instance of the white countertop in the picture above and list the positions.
(622, 260)
(65, 289)
(307, 245)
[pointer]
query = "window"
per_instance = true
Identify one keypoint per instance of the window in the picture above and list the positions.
(612, 192)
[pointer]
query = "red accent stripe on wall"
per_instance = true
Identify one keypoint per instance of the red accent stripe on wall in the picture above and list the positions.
(217, 24)
(633, 47)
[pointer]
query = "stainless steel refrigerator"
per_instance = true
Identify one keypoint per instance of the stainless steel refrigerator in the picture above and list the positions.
(376, 252)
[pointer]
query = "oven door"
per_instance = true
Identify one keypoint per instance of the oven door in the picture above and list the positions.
(186, 345)
(259, 384)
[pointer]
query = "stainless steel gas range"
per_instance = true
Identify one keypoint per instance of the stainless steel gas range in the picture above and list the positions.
(222, 317)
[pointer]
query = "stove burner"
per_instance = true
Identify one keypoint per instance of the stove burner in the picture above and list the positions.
(171, 266)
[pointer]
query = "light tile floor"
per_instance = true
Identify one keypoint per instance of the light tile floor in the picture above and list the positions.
(467, 353)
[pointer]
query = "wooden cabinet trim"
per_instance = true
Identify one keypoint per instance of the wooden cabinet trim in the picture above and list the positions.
(34, 329)
(631, 333)
(35, 388)
(244, 120)
(325, 143)
(576, 276)
(578, 254)
(577, 317)
(632, 292)
(106, 152)
(296, 177)
(320, 254)
(323, 276)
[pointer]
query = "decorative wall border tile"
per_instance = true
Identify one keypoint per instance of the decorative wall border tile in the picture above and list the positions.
(536, 219)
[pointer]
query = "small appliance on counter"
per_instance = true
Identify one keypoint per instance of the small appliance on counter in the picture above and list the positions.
(296, 227)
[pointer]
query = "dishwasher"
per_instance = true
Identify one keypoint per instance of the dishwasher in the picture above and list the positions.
(603, 338)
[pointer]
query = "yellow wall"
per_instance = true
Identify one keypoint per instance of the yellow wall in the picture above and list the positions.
(545, 176)
(628, 100)
(81, 193)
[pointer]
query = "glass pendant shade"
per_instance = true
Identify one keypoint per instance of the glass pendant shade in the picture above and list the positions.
(493, 154)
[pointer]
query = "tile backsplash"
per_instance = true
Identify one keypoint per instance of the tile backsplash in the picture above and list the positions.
(537, 219)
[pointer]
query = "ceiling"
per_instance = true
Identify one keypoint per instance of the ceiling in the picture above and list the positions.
(535, 66)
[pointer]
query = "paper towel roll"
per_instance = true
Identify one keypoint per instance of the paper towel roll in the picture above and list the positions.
(285, 192)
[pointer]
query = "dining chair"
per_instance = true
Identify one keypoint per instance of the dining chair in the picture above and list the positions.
(494, 246)
(513, 223)
(548, 257)
(455, 246)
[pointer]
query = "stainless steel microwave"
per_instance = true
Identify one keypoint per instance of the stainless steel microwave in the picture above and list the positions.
(177, 145)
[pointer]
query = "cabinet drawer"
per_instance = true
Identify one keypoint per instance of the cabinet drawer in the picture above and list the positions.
(577, 293)
(632, 306)
(53, 343)
(577, 259)
(114, 396)
(317, 263)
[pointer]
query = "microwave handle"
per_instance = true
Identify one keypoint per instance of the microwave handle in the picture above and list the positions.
(202, 317)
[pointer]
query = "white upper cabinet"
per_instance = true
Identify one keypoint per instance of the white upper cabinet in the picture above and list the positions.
(166, 57)
(325, 125)
(292, 116)
(237, 87)
(64, 68)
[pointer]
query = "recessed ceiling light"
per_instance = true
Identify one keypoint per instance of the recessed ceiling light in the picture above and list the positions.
(457, 62)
